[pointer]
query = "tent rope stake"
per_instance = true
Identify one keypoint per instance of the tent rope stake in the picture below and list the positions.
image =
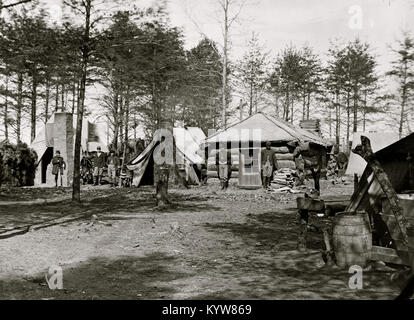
(365, 151)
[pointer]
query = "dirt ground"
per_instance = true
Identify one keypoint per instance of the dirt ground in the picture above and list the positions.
(209, 245)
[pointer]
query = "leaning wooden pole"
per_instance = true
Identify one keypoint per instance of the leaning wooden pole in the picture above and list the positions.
(365, 151)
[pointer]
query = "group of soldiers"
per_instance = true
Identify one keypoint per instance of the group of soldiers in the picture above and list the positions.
(92, 167)
(93, 164)
(268, 165)
(308, 157)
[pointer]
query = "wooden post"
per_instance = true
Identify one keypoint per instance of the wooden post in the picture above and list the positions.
(355, 181)
(410, 232)
(329, 253)
(303, 217)
(410, 171)
(365, 151)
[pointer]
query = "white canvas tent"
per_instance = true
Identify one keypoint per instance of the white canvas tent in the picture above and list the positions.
(379, 140)
(93, 135)
(187, 152)
(59, 133)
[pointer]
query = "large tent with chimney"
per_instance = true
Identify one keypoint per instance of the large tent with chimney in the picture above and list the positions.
(59, 134)
(252, 133)
(188, 155)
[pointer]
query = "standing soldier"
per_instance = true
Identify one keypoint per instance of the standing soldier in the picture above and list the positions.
(223, 162)
(113, 164)
(312, 156)
(98, 166)
(86, 167)
(269, 164)
(58, 166)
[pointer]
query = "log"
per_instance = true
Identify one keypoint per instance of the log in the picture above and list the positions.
(284, 156)
(286, 164)
(365, 151)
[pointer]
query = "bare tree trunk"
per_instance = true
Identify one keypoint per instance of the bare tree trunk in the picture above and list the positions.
(277, 104)
(364, 112)
(126, 110)
(78, 95)
(57, 98)
(338, 121)
(85, 60)
(121, 119)
(304, 107)
(355, 109)
(73, 97)
(348, 119)
(33, 107)
(6, 111)
(63, 97)
(286, 106)
(19, 106)
(291, 111)
(403, 100)
(308, 106)
(47, 98)
(251, 100)
(225, 58)
(162, 174)
(116, 122)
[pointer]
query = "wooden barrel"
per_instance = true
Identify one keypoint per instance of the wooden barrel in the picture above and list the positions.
(352, 239)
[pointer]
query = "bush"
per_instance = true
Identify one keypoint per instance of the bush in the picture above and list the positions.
(17, 165)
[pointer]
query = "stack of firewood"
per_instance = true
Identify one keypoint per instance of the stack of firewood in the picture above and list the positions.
(283, 178)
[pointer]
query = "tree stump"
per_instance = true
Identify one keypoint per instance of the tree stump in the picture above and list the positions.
(161, 183)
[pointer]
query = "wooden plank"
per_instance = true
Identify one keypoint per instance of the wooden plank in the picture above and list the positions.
(389, 255)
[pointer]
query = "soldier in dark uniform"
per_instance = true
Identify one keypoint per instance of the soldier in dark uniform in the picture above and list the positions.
(86, 167)
(268, 164)
(58, 166)
(312, 157)
(223, 162)
(98, 166)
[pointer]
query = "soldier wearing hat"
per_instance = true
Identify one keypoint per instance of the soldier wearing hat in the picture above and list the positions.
(98, 166)
(268, 163)
(58, 166)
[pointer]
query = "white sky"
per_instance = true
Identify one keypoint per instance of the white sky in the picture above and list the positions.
(280, 23)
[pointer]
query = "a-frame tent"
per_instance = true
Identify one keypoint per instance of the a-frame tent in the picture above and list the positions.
(93, 135)
(59, 134)
(187, 152)
(397, 162)
(379, 140)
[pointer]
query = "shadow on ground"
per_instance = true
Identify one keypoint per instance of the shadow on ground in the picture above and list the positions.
(147, 277)
(132, 202)
(268, 266)
(271, 229)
